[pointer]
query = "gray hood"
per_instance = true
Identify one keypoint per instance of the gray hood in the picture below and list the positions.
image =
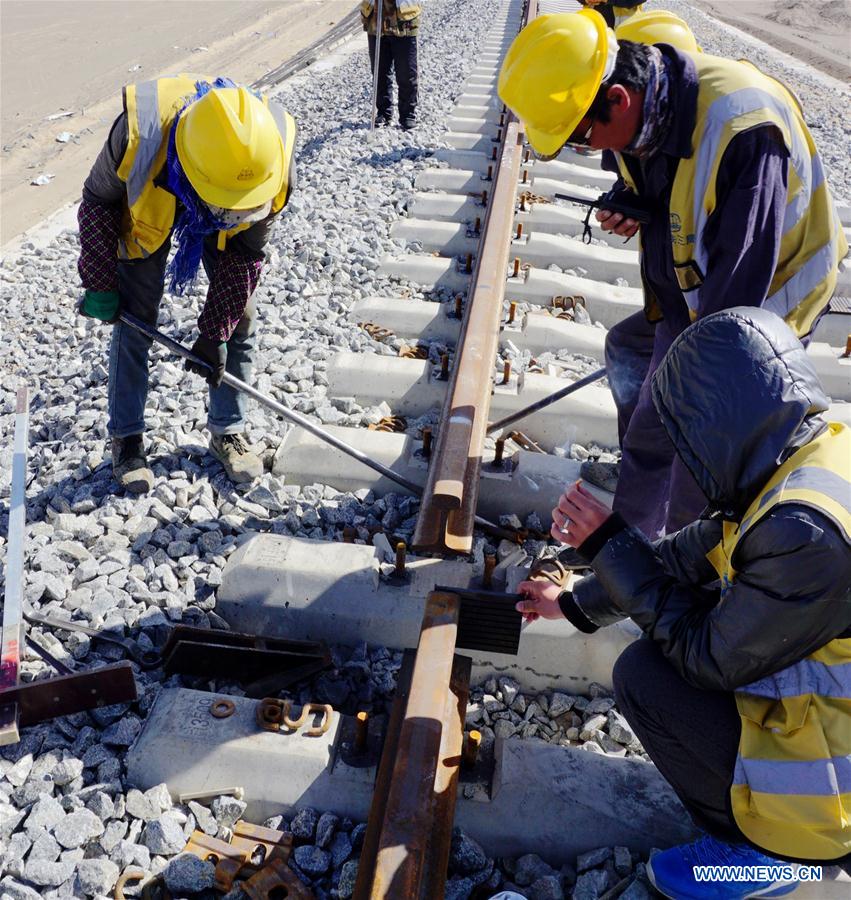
(738, 395)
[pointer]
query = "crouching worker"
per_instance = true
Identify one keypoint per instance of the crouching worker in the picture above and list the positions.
(741, 690)
(209, 165)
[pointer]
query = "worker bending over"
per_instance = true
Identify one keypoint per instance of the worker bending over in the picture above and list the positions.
(209, 164)
(740, 691)
(720, 155)
(614, 12)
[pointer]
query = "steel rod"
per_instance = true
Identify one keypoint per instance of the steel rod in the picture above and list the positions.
(292, 416)
(10, 650)
(546, 401)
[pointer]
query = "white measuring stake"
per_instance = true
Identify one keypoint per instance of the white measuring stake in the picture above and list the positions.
(10, 652)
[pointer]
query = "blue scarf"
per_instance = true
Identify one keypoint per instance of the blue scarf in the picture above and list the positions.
(196, 220)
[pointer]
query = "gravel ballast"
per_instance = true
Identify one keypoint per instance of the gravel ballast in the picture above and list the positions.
(69, 823)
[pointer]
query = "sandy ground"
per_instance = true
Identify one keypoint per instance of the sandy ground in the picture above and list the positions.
(817, 32)
(75, 55)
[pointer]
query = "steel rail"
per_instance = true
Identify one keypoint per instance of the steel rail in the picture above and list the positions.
(407, 843)
(447, 513)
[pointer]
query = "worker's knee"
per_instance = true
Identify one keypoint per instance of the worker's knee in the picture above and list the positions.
(247, 325)
(633, 675)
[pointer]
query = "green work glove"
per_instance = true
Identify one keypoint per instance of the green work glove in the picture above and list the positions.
(103, 305)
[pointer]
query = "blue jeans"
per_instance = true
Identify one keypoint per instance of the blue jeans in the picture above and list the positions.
(140, 283)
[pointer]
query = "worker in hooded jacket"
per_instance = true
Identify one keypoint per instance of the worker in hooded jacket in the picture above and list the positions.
(207, 165)
(740, 691)
(720, 156)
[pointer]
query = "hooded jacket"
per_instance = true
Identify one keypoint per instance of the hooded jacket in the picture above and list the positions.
(742, 405)
(738, 396)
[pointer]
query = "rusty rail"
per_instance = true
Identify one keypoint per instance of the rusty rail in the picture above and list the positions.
(447, 513)
(407, 843)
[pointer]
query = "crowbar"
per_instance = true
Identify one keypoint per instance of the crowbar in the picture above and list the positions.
(547, 401)
(291, 415)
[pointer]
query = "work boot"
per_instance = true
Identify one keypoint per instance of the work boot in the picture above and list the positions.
(129, 465)
(241, 465)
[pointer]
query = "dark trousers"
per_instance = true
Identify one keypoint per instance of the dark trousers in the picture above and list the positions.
(399, 54)
(140, 283)
(692, 735)
(656, 493)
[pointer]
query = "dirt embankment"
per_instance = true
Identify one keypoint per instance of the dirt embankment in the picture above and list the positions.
(61, 57)
(817, 32)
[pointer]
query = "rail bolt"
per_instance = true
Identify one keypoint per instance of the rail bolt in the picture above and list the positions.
(361, 730)
(470, 752)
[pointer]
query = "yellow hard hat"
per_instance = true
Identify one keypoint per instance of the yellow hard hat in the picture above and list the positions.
(658, 27)
(552, 72)
(230, 148)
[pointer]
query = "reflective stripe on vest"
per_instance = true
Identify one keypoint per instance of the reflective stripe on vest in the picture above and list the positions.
(734, 97)
(151, 108)
(791, 791)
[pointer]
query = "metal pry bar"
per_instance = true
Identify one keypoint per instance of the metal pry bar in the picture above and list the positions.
(546, 401)
(293, 416)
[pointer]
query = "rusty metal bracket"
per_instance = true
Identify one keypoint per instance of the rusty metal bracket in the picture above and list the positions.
(265, 665)
(273, 714)
(309, 709)
(274, 881)
(270, 713)
(394, 424)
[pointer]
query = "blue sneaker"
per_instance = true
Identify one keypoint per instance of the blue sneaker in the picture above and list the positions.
(711, 870)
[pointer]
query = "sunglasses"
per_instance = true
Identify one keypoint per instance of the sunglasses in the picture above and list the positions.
(577, 142)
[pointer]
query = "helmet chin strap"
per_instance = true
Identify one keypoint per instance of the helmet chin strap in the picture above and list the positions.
(232, 218)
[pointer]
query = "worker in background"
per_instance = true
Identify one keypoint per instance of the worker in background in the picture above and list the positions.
(208, 165)
(721, 156)
(614, 13)
(400, 23)
(658, 26)
(740, 691)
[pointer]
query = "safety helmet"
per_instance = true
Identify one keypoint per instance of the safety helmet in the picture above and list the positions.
(231, 149)
(658, 27)
(552, 72)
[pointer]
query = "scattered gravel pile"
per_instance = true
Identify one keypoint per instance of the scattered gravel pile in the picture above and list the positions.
(499, 709)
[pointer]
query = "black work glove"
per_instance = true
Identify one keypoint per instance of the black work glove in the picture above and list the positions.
(214, 354)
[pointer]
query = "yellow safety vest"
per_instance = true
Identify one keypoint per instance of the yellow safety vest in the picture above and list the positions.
(405, 9)
(791, 791)
(734, 97)
(151, 108)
